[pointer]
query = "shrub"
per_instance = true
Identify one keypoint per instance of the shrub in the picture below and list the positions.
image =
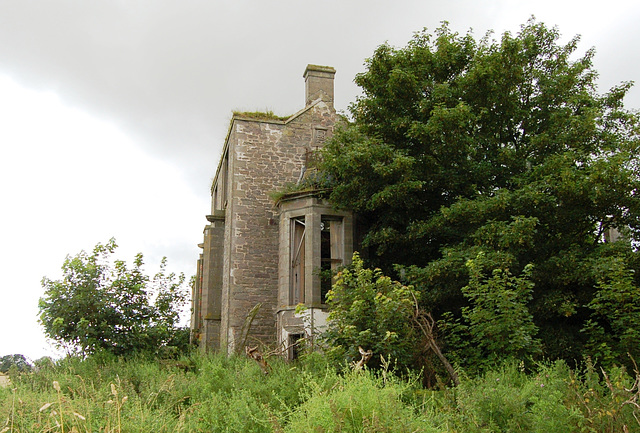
(368, 309)
(506, 399)
(497, 325)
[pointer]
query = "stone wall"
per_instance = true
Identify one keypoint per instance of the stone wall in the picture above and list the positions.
(264, 156)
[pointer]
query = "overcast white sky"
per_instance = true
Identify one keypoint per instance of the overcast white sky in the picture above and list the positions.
(113, 113)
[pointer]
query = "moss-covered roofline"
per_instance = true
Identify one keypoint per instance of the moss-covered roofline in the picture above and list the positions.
(279, 197)
(259, 115)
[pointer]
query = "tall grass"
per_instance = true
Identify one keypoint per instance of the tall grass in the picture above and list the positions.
(213, 393)
(203, 393)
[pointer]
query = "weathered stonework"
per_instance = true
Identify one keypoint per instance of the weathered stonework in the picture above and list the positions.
(315, 212)
(244, 251)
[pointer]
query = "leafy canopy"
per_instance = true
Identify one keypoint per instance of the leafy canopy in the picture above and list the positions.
(101, 304)
(461, 146)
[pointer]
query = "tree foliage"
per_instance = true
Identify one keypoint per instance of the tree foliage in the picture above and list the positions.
(461, 146)
(103, 305)
(497, 323)
(16, 360)
(614, 326)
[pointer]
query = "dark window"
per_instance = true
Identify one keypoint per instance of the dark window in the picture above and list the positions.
(331, 251)
(295, 346)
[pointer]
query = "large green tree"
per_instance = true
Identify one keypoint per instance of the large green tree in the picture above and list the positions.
(102, 305)
(501, 149)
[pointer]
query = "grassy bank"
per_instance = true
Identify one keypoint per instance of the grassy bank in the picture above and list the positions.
(218, 394)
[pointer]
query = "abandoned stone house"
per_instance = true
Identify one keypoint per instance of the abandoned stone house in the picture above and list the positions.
(258, 251)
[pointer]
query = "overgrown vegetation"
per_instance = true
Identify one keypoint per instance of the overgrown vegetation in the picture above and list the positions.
(290, 189)
(502, 154)
(491, 178)
(203, 393)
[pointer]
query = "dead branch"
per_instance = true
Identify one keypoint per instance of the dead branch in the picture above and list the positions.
(254, 353)
(426, 323)
(607, 381)
(280, 350)
(284, 348)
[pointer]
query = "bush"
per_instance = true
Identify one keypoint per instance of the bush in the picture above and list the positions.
(368, 309)
(614, 327)
(506, 399)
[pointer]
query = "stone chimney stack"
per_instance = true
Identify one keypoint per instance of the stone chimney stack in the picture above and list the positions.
(318, 83)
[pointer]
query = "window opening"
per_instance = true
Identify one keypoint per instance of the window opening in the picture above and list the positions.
(294, 346)
(331, 248)
(298, 229)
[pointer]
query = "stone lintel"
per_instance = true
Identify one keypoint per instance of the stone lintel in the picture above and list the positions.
(307, 305)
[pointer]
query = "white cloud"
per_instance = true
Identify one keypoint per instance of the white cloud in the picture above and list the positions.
(68, 181)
